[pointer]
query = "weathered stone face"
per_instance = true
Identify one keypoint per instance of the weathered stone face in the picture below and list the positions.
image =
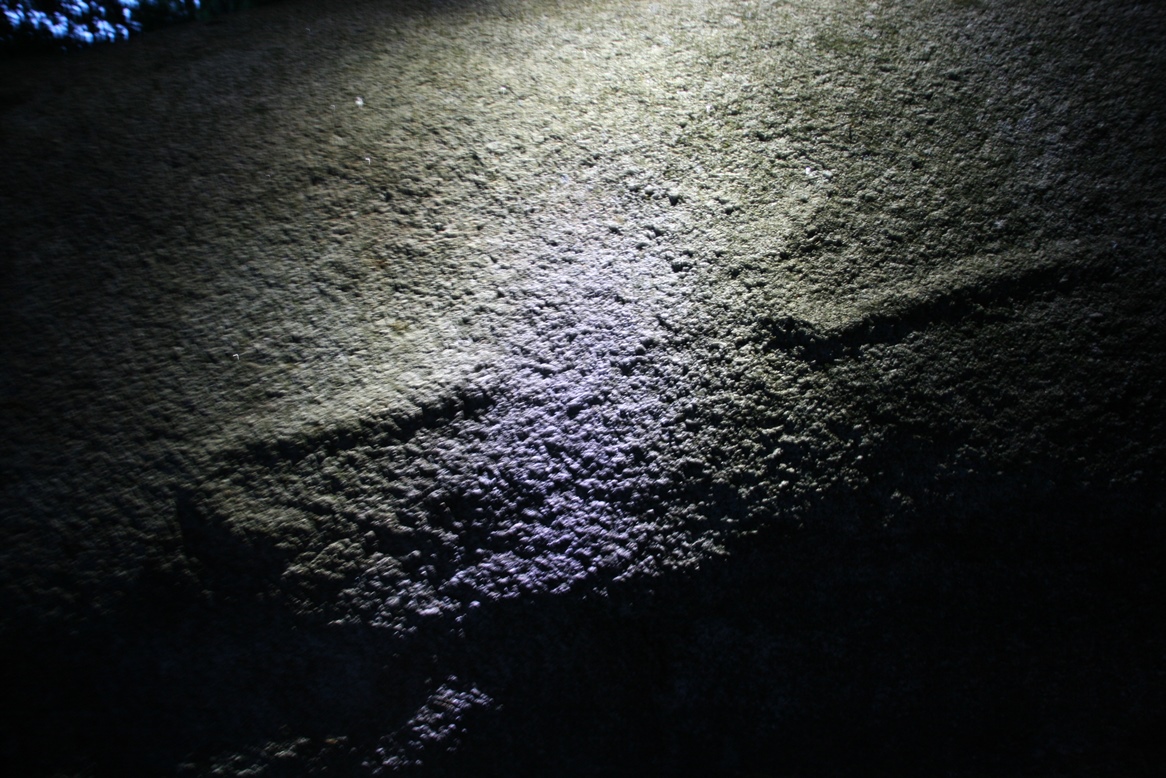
(584, 387)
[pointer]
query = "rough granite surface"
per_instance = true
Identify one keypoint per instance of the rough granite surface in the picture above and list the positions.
(588, 388)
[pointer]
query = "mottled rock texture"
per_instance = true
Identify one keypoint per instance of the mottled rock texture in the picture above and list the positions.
(588, 388)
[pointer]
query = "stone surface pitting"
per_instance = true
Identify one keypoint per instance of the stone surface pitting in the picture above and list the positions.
(659, 383)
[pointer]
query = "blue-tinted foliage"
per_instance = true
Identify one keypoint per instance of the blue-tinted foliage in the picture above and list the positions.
(81, 22)
(42, 24)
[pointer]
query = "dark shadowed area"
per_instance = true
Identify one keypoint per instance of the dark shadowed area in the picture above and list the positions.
(574, 387)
